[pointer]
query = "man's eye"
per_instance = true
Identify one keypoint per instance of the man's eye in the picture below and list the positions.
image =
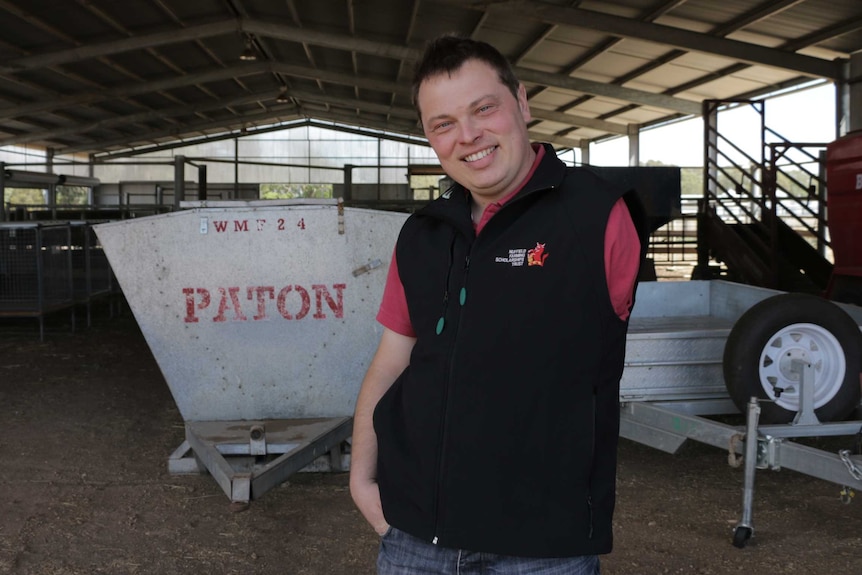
(485, 108)
(442, 126)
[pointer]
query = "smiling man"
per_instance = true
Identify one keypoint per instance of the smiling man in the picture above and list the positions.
(486, 427)
(482, 144)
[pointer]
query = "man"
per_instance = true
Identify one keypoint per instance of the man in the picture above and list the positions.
(486, 426)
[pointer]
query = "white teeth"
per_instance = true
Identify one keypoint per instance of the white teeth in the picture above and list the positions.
(479, 155)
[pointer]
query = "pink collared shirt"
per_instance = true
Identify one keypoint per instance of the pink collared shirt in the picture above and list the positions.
(622, 259)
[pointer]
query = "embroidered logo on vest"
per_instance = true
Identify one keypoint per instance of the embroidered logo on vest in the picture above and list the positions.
(537, 255)
(517, 257)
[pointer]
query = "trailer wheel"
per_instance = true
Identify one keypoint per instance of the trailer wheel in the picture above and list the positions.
(779, 329)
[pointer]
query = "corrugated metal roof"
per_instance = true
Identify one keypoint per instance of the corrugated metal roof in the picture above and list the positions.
(107, 77)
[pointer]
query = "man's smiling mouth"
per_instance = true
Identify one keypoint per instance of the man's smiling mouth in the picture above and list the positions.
(479, 155)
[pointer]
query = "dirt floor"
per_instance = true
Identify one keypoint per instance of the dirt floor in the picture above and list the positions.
(88, 424)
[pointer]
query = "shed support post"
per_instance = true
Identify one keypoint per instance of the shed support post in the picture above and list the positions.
(179, 181)
(202, 182)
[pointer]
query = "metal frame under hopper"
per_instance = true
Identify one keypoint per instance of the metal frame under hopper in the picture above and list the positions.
(248, 458)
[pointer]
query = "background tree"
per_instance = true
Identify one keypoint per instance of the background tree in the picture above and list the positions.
(293, 191)
(25, 196)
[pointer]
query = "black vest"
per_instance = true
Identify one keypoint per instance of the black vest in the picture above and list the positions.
(501, 434)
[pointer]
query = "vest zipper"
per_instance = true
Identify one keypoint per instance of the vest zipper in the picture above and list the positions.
(441, 323)
(462, 296)
(444, 427)
(592, 464)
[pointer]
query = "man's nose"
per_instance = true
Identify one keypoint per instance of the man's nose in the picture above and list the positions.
(470, 131)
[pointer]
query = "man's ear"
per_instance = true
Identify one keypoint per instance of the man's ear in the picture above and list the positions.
(523, 104)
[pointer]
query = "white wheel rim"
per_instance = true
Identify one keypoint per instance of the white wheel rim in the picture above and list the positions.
(810, 343)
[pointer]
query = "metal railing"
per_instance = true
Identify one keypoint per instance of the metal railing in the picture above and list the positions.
(781, 184)
(47, 267)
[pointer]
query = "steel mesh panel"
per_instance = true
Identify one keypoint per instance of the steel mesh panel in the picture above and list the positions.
(35, 269)
(101, 275)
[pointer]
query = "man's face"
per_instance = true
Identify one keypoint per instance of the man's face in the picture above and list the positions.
(478, 129)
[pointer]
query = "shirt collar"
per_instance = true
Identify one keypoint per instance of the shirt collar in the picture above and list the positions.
(494, 207)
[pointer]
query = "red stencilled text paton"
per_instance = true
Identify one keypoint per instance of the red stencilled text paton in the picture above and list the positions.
(255, 303)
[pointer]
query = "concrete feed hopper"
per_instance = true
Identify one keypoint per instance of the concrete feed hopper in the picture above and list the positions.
(261, 316)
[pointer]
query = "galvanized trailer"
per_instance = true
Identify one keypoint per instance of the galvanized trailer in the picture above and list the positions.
(697, 349)
(261, 316)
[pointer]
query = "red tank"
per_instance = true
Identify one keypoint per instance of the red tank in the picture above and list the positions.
(844, 205)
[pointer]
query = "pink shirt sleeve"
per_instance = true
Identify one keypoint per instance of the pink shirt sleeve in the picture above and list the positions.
(393, 309)
(622, 259)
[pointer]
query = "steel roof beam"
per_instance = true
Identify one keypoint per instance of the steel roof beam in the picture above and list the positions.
(140, 117)
(661, 34)
(93, 51)
(372, 48)
(336, 41)
(104, 159)
(756, 15)
(350, 119)
(244, 69)
(273, 116)
(548, 115)
(334, 77)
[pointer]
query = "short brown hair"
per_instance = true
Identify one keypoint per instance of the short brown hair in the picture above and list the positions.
(446, 54)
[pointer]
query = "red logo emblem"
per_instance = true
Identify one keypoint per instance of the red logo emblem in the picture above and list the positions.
(537, 255)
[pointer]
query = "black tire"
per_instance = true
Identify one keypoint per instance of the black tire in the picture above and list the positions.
(773, 331)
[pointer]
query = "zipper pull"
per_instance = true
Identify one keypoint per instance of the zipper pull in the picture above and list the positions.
(434, 541)
(441, 323)
(462, 295)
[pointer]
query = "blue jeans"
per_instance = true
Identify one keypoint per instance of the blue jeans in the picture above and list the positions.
(403, 554)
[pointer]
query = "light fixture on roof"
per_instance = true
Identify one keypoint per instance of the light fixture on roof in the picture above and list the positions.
(282, 97)
(248, 54)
